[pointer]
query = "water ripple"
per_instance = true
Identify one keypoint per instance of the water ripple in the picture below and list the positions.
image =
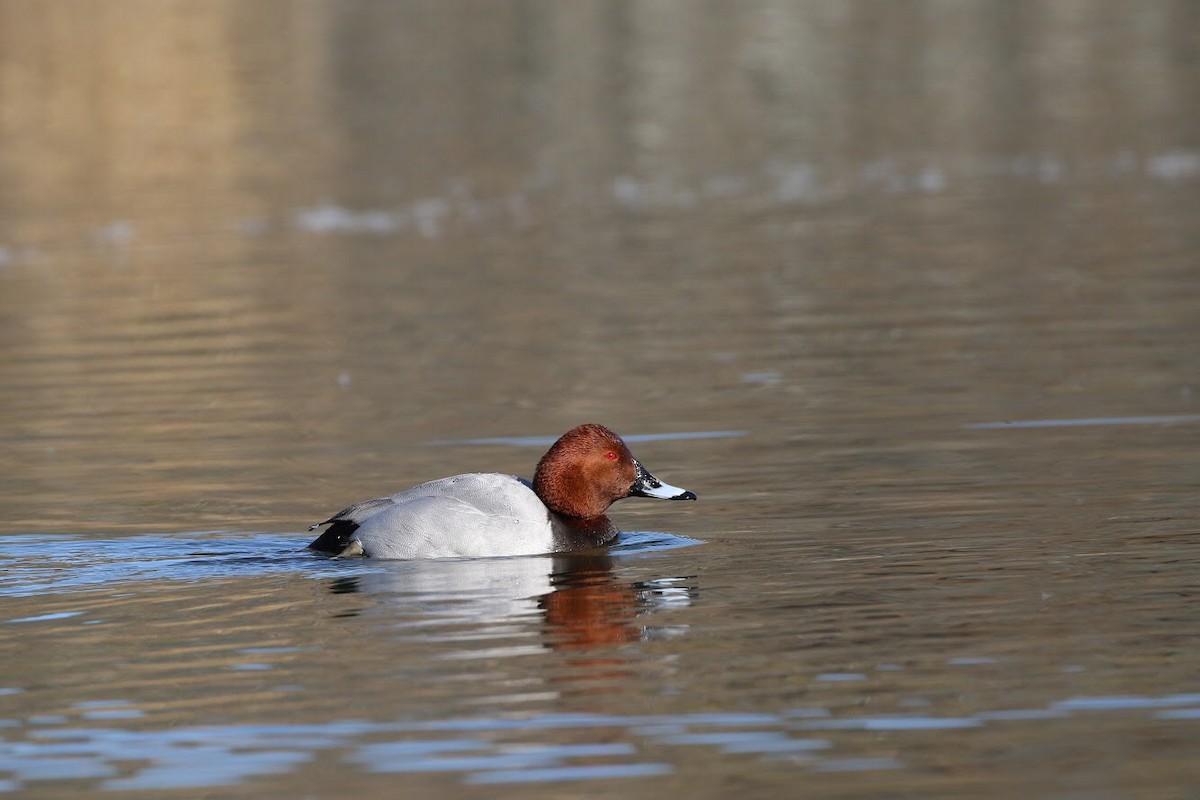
(31, 567)
(490, 750)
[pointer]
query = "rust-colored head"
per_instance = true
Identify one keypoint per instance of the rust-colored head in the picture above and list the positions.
(582, 473)
(589, 468)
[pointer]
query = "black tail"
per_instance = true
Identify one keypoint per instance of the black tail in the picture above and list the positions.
(335, 538)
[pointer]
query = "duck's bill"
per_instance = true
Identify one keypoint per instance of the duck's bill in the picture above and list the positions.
(646, 485)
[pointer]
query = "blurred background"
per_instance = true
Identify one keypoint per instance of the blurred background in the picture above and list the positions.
(907, 292)
(257, 253)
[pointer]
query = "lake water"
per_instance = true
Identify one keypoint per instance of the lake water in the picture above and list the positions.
(908, 293)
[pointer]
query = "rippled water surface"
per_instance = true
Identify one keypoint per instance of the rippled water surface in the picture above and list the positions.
(908, 293)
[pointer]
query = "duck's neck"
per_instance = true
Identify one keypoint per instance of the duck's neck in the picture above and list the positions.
(578, 533)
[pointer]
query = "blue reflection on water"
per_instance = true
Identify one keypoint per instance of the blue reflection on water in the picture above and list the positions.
(42, 564)
(49, 564)
(220, 755)
(486, 750)
(580, 773)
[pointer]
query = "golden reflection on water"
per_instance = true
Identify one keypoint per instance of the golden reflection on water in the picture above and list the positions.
(255, 257)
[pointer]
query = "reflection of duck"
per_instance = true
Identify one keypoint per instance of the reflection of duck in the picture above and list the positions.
(578, 598)
(468, 590)
(487, 514)
(590, 612)
(588, 607)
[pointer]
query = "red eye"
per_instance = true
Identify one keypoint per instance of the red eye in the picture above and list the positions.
(610, 455)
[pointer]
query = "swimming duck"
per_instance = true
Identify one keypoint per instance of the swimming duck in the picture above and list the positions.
(491, 514)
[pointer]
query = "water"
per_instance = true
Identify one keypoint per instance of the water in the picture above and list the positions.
(906, 293)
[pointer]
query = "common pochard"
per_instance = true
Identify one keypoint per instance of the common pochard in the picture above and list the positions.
(489, 514)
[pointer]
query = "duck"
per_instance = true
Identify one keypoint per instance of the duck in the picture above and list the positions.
(484, 514)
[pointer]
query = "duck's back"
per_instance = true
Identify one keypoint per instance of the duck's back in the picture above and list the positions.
(478, 514)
